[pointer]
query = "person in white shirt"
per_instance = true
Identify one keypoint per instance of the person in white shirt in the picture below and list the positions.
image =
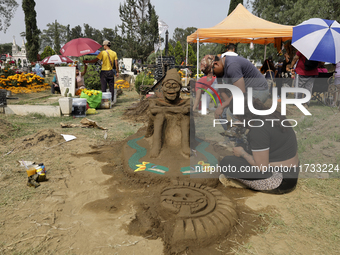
(230, 51)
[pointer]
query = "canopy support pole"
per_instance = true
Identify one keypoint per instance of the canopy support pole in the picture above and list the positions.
(186, 69)
(198, 54)
(265, 51)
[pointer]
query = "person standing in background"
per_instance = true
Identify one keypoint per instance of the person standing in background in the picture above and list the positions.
(337, 84)
(209, 80)
(230, 51)
(109, 69)
(305, 78)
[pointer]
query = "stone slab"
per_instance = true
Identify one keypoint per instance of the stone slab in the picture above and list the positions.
(48, 110)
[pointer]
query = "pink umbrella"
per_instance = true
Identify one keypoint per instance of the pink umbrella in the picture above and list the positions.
(79, 47)
(56, 59)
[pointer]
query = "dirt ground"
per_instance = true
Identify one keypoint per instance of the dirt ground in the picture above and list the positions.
(89, 206)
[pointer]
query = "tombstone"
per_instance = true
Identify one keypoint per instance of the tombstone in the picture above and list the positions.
(67, 78)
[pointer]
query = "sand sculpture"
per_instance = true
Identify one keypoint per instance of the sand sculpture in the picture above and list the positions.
(169, 117)
(194, 214)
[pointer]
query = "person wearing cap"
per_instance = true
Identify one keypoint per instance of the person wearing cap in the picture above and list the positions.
(209, 80)
(241, 73)
(109, 69)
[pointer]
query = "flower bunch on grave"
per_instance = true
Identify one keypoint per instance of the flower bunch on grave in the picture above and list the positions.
(23, 83)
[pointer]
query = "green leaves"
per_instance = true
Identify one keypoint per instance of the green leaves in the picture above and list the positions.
(48, 51)
(139, 28)
(32, 31)
(143, 79)
(7, 9)
(288, 12)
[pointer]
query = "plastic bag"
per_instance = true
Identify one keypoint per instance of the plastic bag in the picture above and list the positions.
(91, 111)
(94, 101)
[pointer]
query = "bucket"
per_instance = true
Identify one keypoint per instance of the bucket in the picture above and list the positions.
(31, 170)
(79, 107)
(106, 100)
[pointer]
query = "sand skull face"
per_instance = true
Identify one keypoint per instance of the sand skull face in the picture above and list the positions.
(171, 90)
(183, 201)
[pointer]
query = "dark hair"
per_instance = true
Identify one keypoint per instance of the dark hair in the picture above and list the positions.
(258, 105)
(231, 46)
(267, 64)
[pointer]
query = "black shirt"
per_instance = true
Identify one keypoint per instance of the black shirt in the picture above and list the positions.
(281, 145)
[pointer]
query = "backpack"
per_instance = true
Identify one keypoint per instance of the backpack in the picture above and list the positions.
(311, 64)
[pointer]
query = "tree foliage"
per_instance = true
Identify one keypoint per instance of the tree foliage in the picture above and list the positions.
(171, 51)
(257, 54)
(32, 31)
(94, 34)
(192, 59)
(6, 48)
(7, 9)
(179, 54)
(56, 38)
(211, 49)
(68, 33)
(49, 35)
(289, 12)
(76, 32)
(139, 28)
(181, 35)
(48, 51)
(233, 4)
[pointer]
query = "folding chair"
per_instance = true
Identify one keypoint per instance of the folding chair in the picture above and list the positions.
(320, 86)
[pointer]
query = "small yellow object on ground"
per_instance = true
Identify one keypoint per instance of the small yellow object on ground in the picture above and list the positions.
(91, 111)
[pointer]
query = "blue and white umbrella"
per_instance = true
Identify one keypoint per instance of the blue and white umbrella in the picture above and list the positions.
(318, 39)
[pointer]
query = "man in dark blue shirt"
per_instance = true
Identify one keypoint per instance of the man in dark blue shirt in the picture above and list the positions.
(241, 73)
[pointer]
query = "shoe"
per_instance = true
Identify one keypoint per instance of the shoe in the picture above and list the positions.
(230, 182)
(231, 132)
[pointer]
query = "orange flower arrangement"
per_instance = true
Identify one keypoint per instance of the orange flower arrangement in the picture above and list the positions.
(23, 83)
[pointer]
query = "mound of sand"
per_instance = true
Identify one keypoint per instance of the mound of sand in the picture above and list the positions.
(138, 111)
(43, 138)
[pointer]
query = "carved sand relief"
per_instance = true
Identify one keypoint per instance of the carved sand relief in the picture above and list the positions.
(202, 214)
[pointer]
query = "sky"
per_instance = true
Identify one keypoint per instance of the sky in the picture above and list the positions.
(105, 13)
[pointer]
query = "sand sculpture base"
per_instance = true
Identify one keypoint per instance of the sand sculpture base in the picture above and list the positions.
(171, 162)
(190, 213)
(194, 214)
(198, 215)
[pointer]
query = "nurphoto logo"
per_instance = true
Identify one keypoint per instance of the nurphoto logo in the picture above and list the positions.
(238, 102)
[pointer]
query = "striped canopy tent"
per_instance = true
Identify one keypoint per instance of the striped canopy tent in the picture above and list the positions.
(241, 26)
